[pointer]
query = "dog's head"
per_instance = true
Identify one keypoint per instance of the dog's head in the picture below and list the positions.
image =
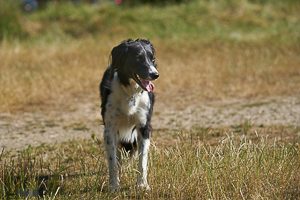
(135, 59)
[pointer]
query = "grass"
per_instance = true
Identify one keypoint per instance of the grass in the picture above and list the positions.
(226, 165)
(206, 50)
(42, 74)
(237, 49)
(232, 20)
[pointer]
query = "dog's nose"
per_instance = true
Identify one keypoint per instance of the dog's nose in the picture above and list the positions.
(154, 75)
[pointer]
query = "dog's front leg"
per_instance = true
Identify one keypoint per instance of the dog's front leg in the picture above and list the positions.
(111, 151)
(144, 144)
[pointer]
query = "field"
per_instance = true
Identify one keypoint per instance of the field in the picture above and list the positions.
(227, 115)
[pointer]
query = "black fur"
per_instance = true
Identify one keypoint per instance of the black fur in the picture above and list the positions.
(146, 130)
(125, 60)
(128, 147)
(105, 90)
(125, 64)
(126, 92)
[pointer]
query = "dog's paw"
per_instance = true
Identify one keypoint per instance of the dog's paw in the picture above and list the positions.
(143, 186)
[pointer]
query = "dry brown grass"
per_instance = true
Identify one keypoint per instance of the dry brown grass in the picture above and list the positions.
(231, 70)
(39, 74)
(241, 59)
(225, 164)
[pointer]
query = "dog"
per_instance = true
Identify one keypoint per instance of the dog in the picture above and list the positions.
(127, 101)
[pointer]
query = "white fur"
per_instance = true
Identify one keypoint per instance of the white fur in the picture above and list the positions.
(153, 70)
(143, 163)
(126, 108)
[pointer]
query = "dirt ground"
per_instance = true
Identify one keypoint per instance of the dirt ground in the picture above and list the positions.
(82, 119)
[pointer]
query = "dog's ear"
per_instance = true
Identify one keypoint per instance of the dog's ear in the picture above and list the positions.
(118, 54)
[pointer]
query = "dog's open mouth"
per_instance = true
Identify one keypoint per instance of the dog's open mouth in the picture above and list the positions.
(144, 83)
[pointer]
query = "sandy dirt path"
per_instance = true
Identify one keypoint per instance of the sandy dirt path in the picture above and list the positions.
(82, 119)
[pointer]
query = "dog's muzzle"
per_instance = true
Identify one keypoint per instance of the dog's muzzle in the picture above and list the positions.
(145, 83)
(154, 75)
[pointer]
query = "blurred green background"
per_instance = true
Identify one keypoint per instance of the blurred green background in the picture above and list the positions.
(205, 20)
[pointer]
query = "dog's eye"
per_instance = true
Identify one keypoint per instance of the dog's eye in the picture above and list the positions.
(150, 55)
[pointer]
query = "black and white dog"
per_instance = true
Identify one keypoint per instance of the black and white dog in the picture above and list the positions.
(127, 102)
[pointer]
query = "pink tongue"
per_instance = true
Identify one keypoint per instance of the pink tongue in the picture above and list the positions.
(148, 85)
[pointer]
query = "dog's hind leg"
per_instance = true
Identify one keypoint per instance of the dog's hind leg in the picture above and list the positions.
(111, 150)
(143, 145)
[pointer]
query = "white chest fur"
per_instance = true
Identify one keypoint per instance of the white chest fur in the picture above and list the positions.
(127, 107)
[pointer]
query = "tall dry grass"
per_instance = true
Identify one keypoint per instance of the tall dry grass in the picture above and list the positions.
(206, 49)
(221, 70)
(35, 74)
(38, 74)
(234, 167)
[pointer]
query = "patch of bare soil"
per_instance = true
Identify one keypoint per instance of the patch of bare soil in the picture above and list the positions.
(82, 119)
(284, 111)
